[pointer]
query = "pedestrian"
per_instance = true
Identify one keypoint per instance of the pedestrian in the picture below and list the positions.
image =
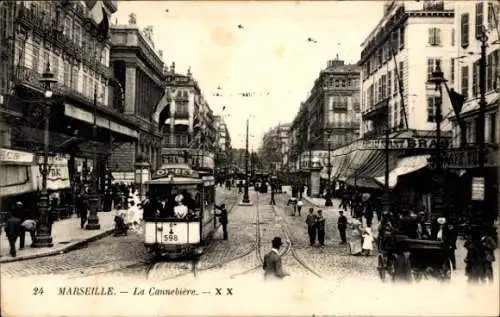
(355, 246)
(342, 225)
(28, 224)
(272, 266)
(311, 226)
(320, 225)
(367, 242)
(221, 213)
(272, 202)
(367, 209)
(81, 204)
(300, 203)
(12, 230)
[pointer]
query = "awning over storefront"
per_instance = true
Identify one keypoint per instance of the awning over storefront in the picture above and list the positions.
(405, 165)
(19, 173)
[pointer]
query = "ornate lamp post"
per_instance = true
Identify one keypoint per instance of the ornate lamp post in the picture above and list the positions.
(43, 237)
(437, 78)
(93, 220)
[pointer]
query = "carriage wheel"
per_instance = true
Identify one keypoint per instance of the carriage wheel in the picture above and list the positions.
(382, 268)
(446, 271)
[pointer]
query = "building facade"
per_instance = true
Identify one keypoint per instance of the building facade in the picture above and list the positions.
(223, 144)
(186, 121)
(474, 20)
(331, 114)
(71, 39)
(275, 148)
(140, 70)
(397, 60)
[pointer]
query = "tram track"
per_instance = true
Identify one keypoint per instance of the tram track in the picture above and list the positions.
(150, 264)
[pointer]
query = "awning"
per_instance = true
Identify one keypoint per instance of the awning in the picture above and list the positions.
(405, 165)
(14, 157)
(363, 182)
(16, 180)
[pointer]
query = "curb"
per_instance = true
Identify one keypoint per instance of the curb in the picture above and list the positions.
(69, 247)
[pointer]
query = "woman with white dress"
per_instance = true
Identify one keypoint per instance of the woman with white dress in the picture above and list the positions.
(367, 241)
(180, 210)
(355, 242)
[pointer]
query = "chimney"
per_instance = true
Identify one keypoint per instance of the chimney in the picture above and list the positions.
(172, 68)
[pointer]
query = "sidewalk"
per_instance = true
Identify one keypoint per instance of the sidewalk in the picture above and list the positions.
(66, 236)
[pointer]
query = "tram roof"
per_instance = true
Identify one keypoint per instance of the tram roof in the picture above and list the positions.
(175, 181)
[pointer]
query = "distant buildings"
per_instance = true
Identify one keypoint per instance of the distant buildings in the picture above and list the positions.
(186, 121)
(223, 143)
(331, 113)
(275, 148)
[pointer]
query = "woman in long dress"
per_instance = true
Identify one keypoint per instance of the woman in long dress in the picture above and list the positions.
(355, 242)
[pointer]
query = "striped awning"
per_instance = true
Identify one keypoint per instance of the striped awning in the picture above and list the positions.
(405, 165)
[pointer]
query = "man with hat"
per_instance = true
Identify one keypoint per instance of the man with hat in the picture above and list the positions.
(221, 213)
(272, 261)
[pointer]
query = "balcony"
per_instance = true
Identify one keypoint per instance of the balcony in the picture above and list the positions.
(343, 125)
(377, 110)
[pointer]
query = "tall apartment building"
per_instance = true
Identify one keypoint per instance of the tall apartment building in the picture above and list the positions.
(275, 147)
(186, 121)
(72, 37)
(140, 70)
(397, 60)
(471, 19)
(330, 114)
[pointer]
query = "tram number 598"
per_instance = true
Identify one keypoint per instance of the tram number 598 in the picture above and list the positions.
(170, 237)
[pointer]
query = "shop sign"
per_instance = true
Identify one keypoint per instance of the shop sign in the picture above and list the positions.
(478, 188)
(402, 144)
(13, 156)
(461, 159)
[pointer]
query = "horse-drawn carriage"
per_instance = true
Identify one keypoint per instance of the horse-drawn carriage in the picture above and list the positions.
(405, 259)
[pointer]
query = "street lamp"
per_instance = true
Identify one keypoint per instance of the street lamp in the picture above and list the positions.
(93, 220)
(246, 198)
(43, 237)
(328, 198)
(437, 78)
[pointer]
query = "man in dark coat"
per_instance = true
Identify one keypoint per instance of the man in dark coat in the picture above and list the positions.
(311, 226)
(320, 226)
(450, 238)
(81, 206)
(272, 262)
(272, 202)
(342, 225)
(13, 229)
(222, 215)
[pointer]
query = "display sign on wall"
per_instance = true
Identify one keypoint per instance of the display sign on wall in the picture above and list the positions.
(8, 156)
(478, 188)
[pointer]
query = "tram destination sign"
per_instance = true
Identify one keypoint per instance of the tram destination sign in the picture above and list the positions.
(175, 172)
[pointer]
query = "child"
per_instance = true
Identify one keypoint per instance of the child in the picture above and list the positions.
(342, 225)
(367, 242)
(300, 203)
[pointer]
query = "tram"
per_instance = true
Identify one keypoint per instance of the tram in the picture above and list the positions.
(179, 215)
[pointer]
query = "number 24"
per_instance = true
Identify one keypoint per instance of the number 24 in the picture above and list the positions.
(37, 290)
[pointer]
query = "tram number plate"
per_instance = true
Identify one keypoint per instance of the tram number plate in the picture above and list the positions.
(170, 237)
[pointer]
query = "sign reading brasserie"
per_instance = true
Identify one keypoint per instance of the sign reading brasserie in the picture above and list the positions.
(402, 143)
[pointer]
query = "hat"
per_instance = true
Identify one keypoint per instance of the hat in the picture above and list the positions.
(441, 220)
(179, 198)
(365, 197)
(277, 240)
(19, 203)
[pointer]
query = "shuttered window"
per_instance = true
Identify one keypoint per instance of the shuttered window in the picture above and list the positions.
(434, 36)
(464, 23)
(479, 19)
(465, 81)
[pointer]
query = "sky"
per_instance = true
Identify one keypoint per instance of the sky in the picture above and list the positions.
(269, 55)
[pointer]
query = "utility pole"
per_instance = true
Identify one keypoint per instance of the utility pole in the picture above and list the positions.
(246, 198)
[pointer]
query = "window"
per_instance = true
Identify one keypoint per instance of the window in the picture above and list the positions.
(55, 66)
(434, 36)
(464, 23)
(432, 103)
(67, 27)
(493, 128)
(477, 132)
(452, 70)
(85, 83)
(431, 66)
(401, 74)
(78, 35)
(35, 64)
(452, 37)
(402, 37)
(45, 61)
(493, 10)
(479, 19)
(395, 81)
(74, 78)
(465, 81)
(383, 80)
(475, 79)
(492, 71)
(389, 84)
(66, 78)
(394, 40)
(496, 74)
(395, 111)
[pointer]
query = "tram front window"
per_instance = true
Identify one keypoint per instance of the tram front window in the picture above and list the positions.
(174, 201)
